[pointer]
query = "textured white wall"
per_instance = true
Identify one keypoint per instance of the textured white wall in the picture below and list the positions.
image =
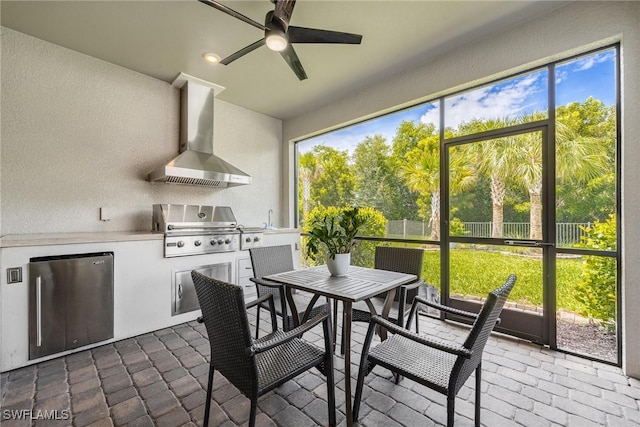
(79, 133)
(574, 28)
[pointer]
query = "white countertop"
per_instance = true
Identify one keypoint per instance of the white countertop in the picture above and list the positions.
(74, 238)
(45, 239)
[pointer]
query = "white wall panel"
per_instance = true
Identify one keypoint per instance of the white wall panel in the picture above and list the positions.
(79, 133)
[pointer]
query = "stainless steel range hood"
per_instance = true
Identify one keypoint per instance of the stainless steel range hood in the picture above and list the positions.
(197, 165)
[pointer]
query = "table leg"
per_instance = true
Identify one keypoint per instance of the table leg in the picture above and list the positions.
(346, 331)
(335, 323)
(307, 312)
(292, 305)
(388, 302)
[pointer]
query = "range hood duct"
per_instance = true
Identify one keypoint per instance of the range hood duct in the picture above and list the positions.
(196, 164)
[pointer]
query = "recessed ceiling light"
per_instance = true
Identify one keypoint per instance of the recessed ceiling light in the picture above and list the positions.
(211, 58)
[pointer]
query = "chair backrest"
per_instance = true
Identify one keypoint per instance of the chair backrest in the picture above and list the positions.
(225, 318)
(480, 332)
(271, 260)
(400, 260)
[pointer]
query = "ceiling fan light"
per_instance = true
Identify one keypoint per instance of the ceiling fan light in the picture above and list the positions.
(276, 40)
(211, 58)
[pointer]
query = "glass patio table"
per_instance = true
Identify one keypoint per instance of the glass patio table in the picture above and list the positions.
(359, 284)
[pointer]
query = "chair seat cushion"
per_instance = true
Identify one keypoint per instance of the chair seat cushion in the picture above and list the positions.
(278, 365)
(416, 361)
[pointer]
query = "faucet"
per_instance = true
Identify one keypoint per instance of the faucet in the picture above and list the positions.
(269, 225)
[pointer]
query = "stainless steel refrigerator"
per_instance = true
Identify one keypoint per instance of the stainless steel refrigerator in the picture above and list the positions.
(70, 302)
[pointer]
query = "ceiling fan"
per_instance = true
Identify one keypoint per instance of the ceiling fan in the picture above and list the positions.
(279, 35)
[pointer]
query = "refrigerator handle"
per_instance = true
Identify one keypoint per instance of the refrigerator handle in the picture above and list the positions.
(39, 311)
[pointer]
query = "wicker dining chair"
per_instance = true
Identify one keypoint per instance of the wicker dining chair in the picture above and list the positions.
(278, 259)
(442, 366)
(401, 260)
(257, 366)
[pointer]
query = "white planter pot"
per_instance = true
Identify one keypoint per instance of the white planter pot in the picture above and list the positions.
(340, 265)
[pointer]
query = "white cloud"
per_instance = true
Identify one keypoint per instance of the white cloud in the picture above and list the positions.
(588, 62)
(432, 116)
(561, 75)
(490, 102)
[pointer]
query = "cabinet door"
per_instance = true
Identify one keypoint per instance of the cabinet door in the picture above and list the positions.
(47, 307)
(70, 302)
(184, 292)
(89, 302)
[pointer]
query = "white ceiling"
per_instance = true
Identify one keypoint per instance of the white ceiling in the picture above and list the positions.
(163, 38)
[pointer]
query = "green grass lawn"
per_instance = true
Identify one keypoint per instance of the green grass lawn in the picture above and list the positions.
(475, 272)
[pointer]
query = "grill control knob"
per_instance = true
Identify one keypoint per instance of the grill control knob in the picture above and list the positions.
(256, 239)
(180, 243)
(213, 242)
(197, 243)
(220, 241)
(227, 240)
(248, 240)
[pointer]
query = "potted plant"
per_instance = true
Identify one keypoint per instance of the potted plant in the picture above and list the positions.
(335, 233)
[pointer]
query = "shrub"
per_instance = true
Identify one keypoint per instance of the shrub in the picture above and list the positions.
(456, 227)
(597, 287)
(374, 225)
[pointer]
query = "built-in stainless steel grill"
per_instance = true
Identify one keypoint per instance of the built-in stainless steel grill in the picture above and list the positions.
(250, 237)
(195, 229)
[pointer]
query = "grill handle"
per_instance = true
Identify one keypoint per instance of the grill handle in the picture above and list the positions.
(200, 226)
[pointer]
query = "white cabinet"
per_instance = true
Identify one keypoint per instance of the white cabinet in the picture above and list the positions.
(245, 272)
(143, 282)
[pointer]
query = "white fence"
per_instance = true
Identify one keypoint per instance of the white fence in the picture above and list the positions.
(567, 234)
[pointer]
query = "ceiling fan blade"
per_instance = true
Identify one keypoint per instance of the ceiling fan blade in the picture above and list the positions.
(229, 11)
(313, 35)
(253, 46)
(283, 12)
(291, 58)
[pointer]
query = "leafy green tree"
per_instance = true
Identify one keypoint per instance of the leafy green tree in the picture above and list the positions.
(473, 206)
(591, 198)
(594, 201)
(370, 164)
(403, 202)
(333, 181)
(591, 118)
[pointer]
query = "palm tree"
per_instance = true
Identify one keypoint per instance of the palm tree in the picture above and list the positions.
(308, 172)
(528, 172)
(492, 159)
(578, 160)
(421, 173)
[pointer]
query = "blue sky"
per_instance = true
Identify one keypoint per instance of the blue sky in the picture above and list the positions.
(576, 80)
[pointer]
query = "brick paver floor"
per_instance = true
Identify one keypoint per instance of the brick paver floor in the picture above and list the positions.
(158, 379)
